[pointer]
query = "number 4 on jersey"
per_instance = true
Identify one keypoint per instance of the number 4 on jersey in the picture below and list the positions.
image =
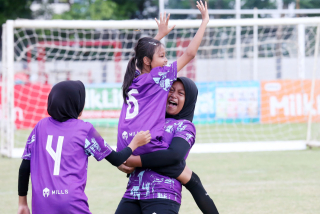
(134, 102)
(55, 155)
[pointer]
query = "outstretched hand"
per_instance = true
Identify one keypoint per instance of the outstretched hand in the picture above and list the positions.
(163, 28)
(203, 10)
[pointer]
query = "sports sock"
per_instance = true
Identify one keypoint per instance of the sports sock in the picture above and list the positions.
(203, 200)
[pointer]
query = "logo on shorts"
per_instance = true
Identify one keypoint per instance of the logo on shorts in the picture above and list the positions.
(46, 192)
(125, 135)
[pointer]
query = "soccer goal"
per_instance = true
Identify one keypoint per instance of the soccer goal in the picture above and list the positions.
(257, 78)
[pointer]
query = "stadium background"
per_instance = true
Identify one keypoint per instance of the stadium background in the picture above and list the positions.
(232, 107)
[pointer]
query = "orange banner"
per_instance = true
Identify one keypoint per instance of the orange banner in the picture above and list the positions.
(289, 101)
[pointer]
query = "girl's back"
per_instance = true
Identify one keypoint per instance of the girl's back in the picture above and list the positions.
(58, 154)
(145, 108)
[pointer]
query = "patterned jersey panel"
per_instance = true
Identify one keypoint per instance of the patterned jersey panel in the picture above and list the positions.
(185, 130)
(165, 76)
(29, 145)
(96, 146)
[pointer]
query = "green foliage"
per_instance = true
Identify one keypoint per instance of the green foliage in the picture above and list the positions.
(14, 9)
(309, 4)
(108, 9)
(266, 4)
(89, 9)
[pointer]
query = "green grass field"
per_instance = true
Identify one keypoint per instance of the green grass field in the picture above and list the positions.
(219, 133)
(239, 183)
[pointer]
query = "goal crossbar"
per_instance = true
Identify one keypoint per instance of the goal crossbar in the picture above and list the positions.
(240, 51)
(150, 24)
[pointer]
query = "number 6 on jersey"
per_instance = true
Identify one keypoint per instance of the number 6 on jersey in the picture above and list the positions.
(134, 101)
(56, 156)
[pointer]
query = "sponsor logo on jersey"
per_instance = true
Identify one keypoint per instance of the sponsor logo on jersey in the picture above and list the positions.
(46, 192)
(60, 192)
(125, 135)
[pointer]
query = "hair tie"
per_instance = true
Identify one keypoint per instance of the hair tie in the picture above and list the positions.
(152, 43)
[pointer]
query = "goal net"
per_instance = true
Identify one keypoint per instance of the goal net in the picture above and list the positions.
(256, 78)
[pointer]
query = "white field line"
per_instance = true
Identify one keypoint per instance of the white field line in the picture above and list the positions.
(229, 147)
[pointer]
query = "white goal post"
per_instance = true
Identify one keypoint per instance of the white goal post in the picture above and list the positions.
(255, 77)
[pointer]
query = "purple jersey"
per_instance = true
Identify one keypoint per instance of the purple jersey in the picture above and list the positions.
(58, 154)
(146, 184)
(145, 108)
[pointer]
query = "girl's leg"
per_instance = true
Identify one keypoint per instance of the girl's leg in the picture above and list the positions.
(128, 206)
(159, 206)
(193, 183)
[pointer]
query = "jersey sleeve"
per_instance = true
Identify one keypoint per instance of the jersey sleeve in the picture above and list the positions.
(29, 145)
(165, 76)
(96, 146)
(187, 131)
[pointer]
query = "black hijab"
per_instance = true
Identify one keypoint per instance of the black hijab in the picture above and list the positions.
(191, 94)
(66, 100)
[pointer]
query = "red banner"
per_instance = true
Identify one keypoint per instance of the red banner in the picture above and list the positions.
(30, 104)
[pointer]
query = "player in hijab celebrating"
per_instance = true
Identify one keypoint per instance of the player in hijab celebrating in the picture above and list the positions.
(57, 151)
(145, 93)
(154, 178)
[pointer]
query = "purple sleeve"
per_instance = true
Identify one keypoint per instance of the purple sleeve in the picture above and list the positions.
(96, 146)
(187, 131)
(29, 145)
(165, 76)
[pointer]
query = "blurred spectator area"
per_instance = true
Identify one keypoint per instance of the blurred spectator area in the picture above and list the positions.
(58, 6)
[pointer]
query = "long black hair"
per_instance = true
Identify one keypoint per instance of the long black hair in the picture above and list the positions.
(146, 46)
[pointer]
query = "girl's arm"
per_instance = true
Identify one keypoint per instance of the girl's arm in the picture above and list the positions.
(23, 183)
(163, 28)
(118, 158)
(192, 48)
(23, 205)
(175, 154)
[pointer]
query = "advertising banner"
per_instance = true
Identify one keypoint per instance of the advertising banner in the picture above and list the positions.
(103, 104)
(218, 102)
(289, 101)
(279, 101)
(30, 104)
(228, 102)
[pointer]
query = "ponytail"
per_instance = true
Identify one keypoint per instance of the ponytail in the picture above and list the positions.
(145, 47)
(128, 77)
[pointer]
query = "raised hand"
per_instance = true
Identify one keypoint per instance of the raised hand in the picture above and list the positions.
(203, 10)
(163, 28)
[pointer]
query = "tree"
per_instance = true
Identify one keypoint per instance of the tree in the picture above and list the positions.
(110, 9)
(14, 9)
(251, 4)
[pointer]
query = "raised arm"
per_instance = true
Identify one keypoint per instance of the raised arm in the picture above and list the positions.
(173, 155)
(192, 48)
(163, 28)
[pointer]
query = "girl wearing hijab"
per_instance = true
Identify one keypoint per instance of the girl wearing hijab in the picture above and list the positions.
(151, 188)
(57, 151)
